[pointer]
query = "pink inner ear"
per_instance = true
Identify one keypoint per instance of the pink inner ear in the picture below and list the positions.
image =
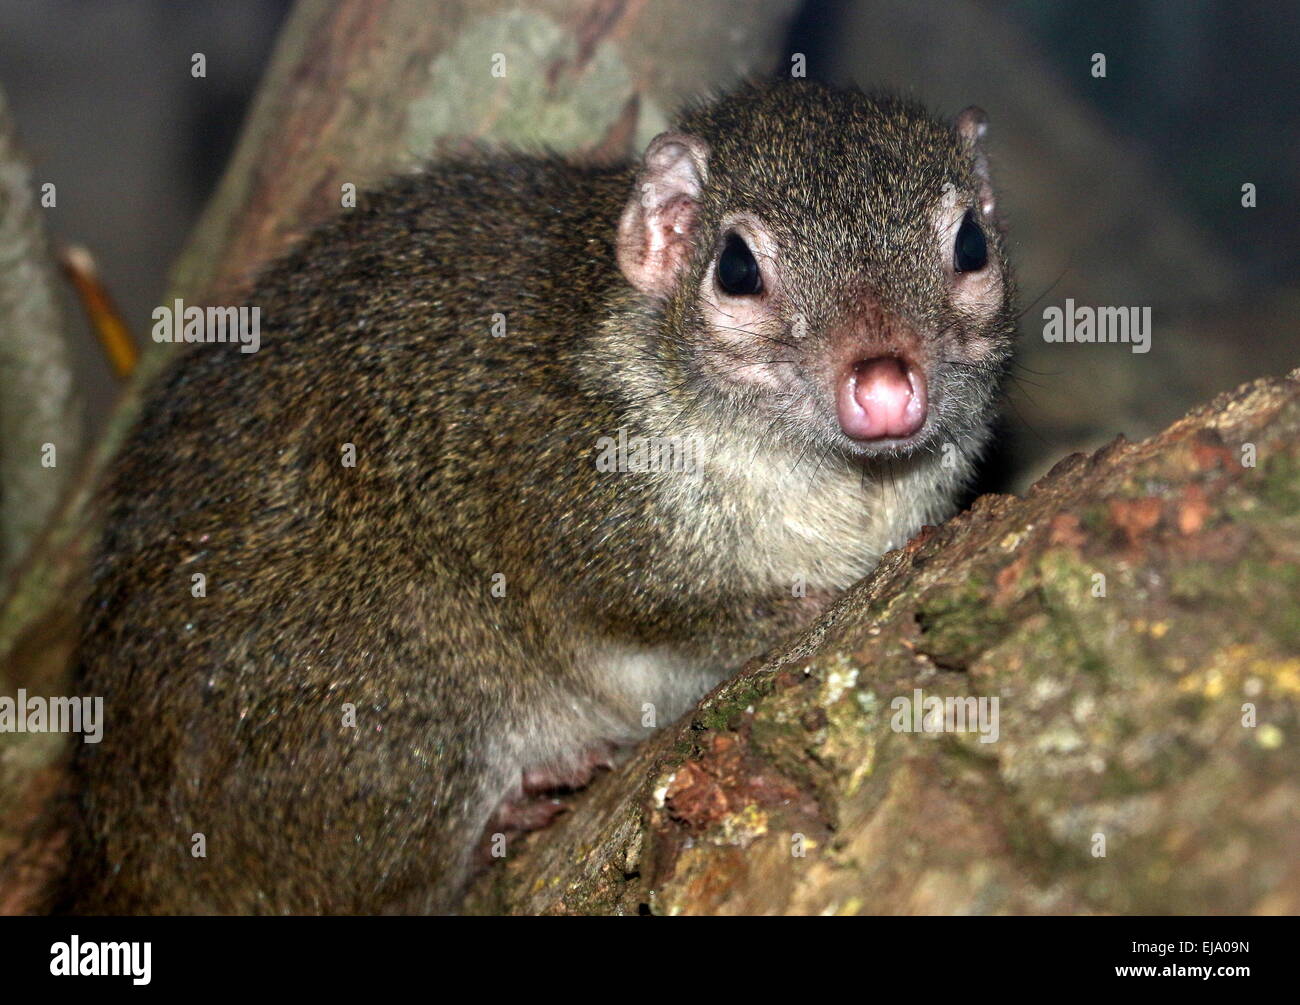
(655, 232)
(654, 243)
(674, 224)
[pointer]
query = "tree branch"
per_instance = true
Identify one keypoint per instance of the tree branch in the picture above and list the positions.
(1144, 759)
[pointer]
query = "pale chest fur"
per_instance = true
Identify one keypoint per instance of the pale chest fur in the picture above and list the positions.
(796, 522)
(807, 520)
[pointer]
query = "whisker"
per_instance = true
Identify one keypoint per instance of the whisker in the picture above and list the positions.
(1068, 262)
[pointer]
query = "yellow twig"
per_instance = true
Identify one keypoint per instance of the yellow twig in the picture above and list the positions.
(79, 266)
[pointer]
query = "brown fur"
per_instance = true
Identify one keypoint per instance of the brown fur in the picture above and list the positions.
(371, 585)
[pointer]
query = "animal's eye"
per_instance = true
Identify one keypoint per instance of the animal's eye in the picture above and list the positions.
(737, 270)
(971, 251)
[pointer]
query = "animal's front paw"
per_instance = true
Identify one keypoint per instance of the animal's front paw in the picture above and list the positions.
(570, 775)
(535, 805)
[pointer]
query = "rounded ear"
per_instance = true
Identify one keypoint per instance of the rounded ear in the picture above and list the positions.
(657, 229)
(972, 126)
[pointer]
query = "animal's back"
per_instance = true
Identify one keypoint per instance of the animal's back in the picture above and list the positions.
(376, 333)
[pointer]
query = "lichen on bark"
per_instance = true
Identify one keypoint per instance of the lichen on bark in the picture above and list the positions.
(1138, 619)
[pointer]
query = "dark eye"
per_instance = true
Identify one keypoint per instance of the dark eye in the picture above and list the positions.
(971, 252)
(737, 270)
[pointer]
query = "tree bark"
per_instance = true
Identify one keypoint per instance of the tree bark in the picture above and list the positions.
(1145, 757)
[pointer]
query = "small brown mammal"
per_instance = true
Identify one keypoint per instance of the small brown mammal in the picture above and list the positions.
(615, 430)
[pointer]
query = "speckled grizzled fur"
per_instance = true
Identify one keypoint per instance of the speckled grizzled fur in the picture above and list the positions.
(371, 585)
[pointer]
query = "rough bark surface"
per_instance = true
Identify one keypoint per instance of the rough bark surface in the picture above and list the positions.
(1124, 718)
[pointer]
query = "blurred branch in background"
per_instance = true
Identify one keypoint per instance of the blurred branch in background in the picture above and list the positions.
(40, 408)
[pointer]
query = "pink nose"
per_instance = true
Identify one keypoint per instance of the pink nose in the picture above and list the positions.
(882, 399)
